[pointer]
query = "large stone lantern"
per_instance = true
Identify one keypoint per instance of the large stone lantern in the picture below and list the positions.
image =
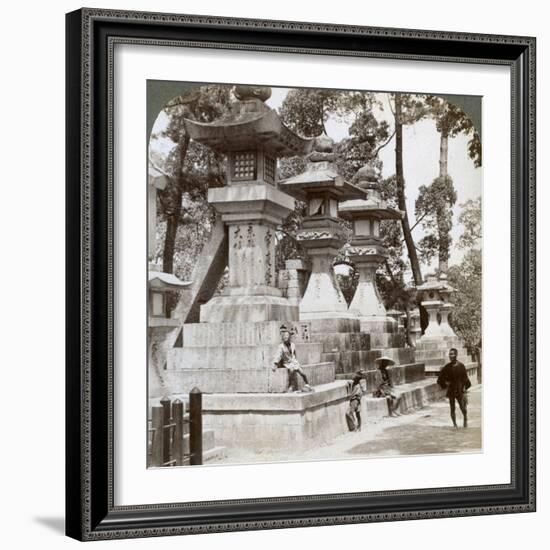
(367, 250)
(322, 235)
(253, 137)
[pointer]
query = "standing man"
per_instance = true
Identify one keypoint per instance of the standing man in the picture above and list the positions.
(286, 358)
(454, 377)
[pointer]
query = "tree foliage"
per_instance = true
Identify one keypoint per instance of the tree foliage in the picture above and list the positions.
(434, 207)
(470, 218)
(435, 201)
(466, 279)
(190, 167)
(305, 111)
(466, 316)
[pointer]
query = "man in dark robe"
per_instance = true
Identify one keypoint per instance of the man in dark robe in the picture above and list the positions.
(454, 378)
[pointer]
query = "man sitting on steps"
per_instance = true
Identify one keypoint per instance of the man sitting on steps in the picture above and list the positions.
(286, 358)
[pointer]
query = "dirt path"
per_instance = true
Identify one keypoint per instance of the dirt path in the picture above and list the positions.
(426, 431)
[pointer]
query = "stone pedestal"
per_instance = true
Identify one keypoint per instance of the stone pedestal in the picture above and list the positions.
(445, 327)
(251, 213)
(323, 298)
(433, 330)
(293, 280)
(367, 303)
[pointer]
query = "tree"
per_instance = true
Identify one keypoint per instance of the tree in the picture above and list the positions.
(435, 201)
(434, 207)
(305, 111)
(466, 278)
(466, 316)
(190, 167)
(470, 218)
(407, 109)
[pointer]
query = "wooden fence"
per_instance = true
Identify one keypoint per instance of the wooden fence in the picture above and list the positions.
(175, 437)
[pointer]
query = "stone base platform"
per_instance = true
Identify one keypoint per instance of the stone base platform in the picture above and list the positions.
(236, 357)
(278, 421)
(239, 309)
(400, 374)
(415, 395)
(387, 340)
(348, 362)
(244, 380)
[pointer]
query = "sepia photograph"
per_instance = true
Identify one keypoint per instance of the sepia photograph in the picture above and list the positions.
(314, 268)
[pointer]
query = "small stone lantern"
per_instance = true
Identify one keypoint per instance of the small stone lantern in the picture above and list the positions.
(434, 296)
(322, 235)
(367, 250)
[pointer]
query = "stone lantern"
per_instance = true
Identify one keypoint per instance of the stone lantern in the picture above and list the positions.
(434, 296)
(253, 137)
(322, 235)
(367, 251)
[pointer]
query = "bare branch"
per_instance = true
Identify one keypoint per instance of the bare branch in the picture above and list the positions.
(375, 154)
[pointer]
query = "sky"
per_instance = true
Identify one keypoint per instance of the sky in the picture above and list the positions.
(420, 161)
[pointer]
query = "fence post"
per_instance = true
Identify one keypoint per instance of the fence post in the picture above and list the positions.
(158, 435)
(177, 445)
(195, 432)
(165, 402)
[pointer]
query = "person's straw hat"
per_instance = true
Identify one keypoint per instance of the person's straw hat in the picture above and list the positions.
(388, 360)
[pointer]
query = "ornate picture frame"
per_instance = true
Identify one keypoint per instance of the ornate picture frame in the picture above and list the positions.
(90, 253)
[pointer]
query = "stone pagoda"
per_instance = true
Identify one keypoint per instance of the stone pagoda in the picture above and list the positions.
(367, 252)
(322, 234)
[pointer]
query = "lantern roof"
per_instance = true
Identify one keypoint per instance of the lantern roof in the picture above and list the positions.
(321, 175)
(166, 281)
(373, 205)
(436, 283)
(249, 124)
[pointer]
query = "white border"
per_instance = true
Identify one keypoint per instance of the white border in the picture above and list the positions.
(134, 484)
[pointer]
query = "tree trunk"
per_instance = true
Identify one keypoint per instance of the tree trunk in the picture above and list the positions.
(443, 154)
(402, 204)
(443, 253)
(173, 220)
(172, 224)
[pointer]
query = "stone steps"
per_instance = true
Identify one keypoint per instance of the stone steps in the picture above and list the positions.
(234, 357)
(347, 362)
(414, 396)
(387, 340)
(352, 361)
(343, 341)
(251, 380)
(425, 354)
(439, 362)
(400, 374)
